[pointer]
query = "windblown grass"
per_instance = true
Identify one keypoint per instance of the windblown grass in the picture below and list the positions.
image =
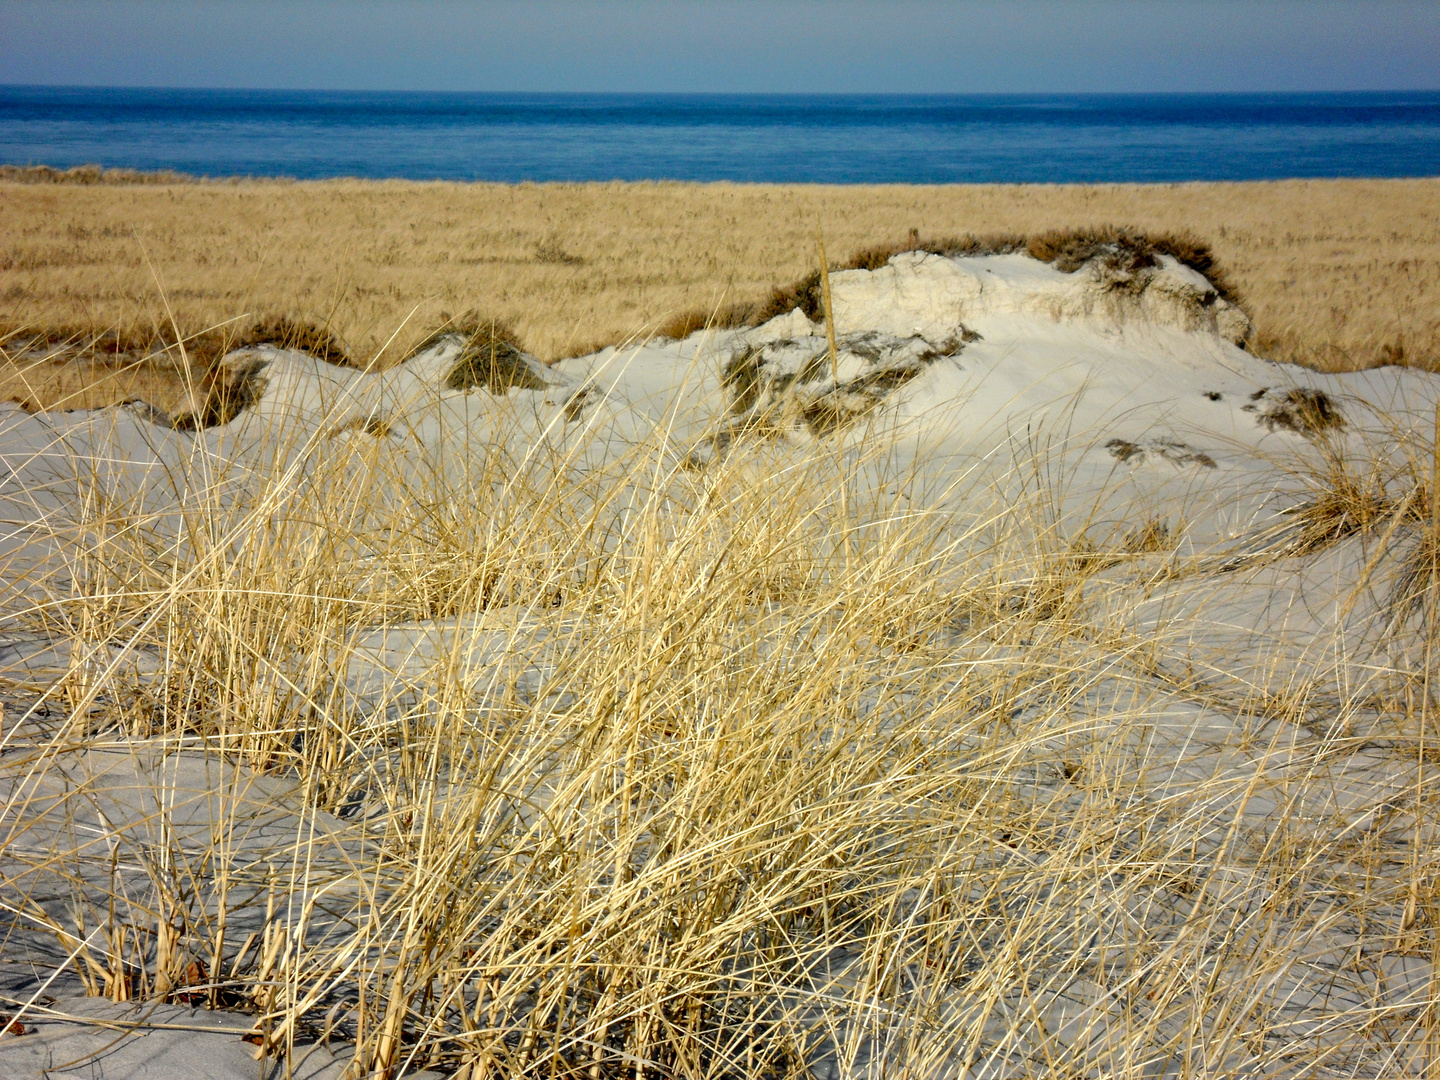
(730, 775)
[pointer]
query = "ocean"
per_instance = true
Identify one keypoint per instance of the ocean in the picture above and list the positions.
(841, 139)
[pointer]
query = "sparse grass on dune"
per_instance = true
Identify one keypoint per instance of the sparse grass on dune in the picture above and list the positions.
(68, 368)
(715, 774)
(93, 174)
(1337, 274)
(1125, 250)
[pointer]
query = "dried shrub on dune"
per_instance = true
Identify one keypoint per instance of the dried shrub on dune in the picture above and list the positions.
(802, 295)
(1070, 249)
(490, 355)
(161, 341)
(285, 332)
(90, 174)
(68, 368)
(872, 258)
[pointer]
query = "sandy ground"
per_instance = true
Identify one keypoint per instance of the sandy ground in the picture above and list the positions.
(1336, 274)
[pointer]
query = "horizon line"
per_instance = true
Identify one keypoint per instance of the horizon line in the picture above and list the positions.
(1431, 90)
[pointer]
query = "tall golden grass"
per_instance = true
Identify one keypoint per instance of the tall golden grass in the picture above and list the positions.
(1338, 274)
(717, 773)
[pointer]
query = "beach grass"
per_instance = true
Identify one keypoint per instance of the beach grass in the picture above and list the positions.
(764, 768)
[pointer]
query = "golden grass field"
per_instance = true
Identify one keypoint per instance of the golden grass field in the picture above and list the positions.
(1336, 274)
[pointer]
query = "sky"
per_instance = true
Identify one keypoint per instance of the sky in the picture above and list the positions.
(809, 46)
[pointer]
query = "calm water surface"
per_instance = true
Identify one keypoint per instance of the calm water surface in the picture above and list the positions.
(781, 138)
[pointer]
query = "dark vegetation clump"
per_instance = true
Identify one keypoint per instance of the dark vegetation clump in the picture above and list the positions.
(681, 326)
(1177, 453)
(1342, 502)
(89, 174)
(223, 392)
(1153, 536)
(576, 404)
(373, 425)
(1333, 515)
(1124, 449)
(226, 393)
(763, 403)
(553, 253)
(740, 375)
(743, 376)
(286, 333)
(1393, 353)
(840, 408)
(202, 351)
(1182, 455)
(955, 247)
(1069, 249)
(1302, 410)
(1120, 262)
(490, 356)
(863, 394)
(953, 346)
(802, 295)
(137, 343)
(1416, 591)
(828, 414)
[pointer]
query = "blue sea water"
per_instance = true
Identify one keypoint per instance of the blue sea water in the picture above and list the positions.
(846, 139)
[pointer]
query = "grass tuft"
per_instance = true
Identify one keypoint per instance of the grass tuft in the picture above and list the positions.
(491, 356)
(285, 332)
(1301, 409)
